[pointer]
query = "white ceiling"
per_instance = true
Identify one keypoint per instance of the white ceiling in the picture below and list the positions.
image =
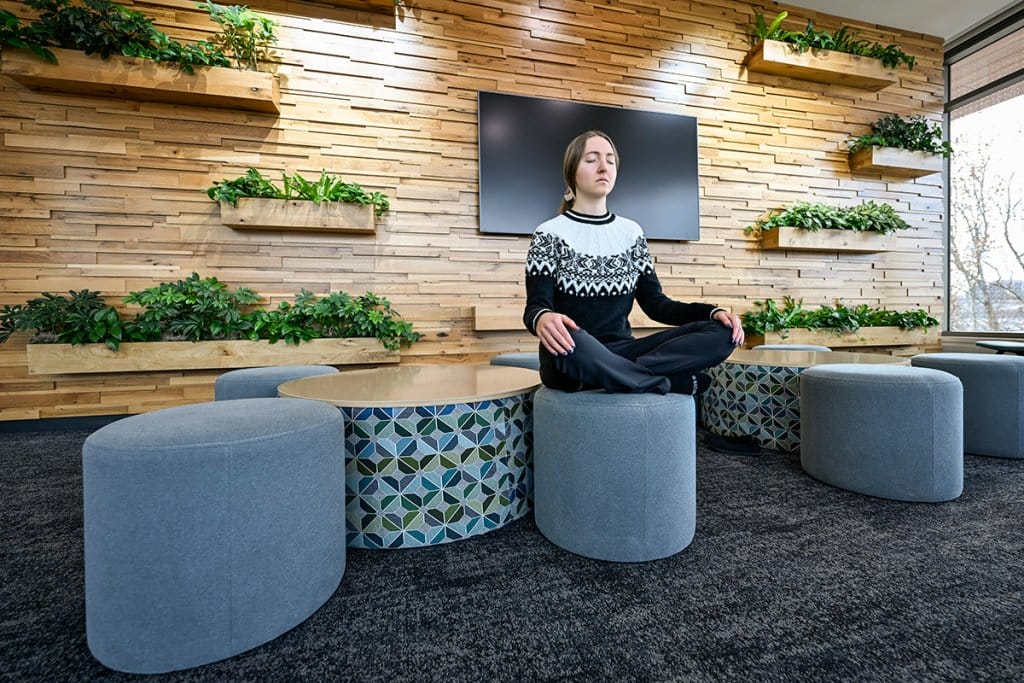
(943, 18)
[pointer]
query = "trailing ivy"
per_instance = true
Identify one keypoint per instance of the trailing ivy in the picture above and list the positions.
(913, 133)
(326, 188)
(844, 39)
(768, 316)
(866, 217)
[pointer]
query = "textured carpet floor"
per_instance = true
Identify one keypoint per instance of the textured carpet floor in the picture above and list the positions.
(787, 580)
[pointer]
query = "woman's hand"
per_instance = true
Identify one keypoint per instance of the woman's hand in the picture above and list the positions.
(733, 322)
(553, 332)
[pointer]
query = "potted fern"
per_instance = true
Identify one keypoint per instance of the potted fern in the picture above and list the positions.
(327, 204)
(200, 323)
(910, 147)
(867, 227)
(839, 56)
(103, 48)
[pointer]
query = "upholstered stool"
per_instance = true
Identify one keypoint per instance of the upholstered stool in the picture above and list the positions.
(890, 431)
(615, 474)
(790, 347)
(529, 360)
(993, 399)
(262, 382)
(210, 529)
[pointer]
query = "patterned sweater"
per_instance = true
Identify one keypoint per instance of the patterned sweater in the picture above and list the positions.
(592, 268)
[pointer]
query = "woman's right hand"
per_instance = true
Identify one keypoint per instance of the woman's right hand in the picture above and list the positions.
(553, 332)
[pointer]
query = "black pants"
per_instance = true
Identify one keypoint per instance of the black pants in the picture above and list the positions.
(645, 365)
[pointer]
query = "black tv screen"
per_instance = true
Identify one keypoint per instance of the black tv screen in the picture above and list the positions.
(522, 141)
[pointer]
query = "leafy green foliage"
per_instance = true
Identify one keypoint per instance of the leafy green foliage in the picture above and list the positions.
(843, 40)
(866, 217)
(245, 35)
(770, 317)
(192, 309)
(913, 132)
(80, 318)
(13, 34)
(104, 27)
(326, 188)
(198, 309)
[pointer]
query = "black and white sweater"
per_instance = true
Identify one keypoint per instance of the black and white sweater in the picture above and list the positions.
(592, 268)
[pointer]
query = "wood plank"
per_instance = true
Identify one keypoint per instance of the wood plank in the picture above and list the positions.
(488, 318)
(57, 359)
(822, 66)
(77, 72)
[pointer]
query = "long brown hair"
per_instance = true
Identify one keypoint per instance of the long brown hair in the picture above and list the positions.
(571, 161)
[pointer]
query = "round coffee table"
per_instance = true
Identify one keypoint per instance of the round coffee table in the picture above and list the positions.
(756, 394)
(434, 453)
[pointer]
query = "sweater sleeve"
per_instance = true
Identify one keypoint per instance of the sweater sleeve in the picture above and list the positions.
(653, 300)
(540, 279)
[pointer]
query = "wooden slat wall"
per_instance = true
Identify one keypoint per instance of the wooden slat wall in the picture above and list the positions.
(108, 194)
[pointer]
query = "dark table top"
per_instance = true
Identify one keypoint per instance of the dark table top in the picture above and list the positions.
(1003, 346)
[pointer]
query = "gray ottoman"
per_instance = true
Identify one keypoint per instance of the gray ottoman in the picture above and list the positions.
(993, 399)
(529, 360)
(615, 474)
(890, 431)
(262, 382)
(790, 347)
(210, 529)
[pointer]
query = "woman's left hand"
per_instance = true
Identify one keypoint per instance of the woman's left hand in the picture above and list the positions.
(733, 322)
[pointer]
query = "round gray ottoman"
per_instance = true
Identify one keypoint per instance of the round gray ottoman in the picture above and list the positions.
(993, 399)
(210, 529)
(262, 382)
(529, 360)
(790, 347)
(890, 431)
(614, 475)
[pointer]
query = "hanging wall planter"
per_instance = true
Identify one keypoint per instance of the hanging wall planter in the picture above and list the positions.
(297, 214)
(822, 66)
(895, 161)
(143, 79)
(865, 336)
(798, 239)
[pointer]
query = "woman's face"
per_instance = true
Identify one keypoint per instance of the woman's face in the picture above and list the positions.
(595, 175)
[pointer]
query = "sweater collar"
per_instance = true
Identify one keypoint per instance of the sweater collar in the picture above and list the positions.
(604, 219)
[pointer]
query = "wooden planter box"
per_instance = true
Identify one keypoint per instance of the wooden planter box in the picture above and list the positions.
(798, 239)
(143, 79)
(895, 161)
(865, 336)
(61, 359)
(822, 66)
(293, 214)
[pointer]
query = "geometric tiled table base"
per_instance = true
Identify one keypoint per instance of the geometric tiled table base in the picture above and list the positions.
(759, 401)
(425, 475)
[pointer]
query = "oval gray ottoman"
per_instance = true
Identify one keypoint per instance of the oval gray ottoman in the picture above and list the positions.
(614, 475)
(210, 529)
(993, 399)
(262, 382)
(890, 431)
(529, 360)
(790, 347)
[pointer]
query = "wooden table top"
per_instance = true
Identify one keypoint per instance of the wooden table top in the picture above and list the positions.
(414, 385)
(806, 359)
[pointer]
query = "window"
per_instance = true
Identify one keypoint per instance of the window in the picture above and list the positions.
(986, 184)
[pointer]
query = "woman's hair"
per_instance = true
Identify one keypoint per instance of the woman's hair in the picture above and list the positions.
(571, 161)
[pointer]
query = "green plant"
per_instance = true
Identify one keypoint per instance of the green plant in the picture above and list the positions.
(80, 318)
(104, 27)
(843, 40)
(866, 217)
(13, 34)
(192, 309)
(767, 316)
(245, 35)
(913, 132)
(325, 189)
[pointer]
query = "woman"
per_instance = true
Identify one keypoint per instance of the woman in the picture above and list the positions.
(584, 270)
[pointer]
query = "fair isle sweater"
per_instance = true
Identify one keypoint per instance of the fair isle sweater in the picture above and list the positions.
(592, 268)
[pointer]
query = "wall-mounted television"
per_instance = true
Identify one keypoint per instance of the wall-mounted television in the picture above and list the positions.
(522, 140)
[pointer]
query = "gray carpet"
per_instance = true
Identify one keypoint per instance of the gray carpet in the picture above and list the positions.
(787, 580)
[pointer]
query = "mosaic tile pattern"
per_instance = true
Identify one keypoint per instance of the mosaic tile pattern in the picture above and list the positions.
(417, 476)
(760, 401)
